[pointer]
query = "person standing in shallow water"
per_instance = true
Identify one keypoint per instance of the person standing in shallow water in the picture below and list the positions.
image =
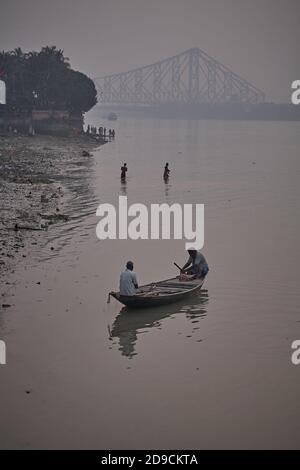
(166, 171)
(123, 171)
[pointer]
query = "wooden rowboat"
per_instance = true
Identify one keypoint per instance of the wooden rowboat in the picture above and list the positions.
(159, 293)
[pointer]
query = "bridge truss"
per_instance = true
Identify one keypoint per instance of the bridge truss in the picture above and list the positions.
(188, 78)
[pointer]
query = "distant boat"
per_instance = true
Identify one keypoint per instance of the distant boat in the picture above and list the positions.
(111, 117)
(159, 293)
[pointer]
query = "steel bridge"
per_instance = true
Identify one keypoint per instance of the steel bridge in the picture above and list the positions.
(191, 77)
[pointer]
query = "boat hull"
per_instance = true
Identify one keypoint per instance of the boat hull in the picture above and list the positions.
(140, 301)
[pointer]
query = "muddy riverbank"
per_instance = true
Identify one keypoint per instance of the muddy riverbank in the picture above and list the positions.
(33, 194)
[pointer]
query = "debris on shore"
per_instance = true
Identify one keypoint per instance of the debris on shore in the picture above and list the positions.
(32, 192)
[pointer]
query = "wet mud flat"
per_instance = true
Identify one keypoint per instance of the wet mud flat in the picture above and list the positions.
(33, 193)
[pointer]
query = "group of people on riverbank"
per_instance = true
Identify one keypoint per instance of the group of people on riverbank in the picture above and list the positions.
(100, 131)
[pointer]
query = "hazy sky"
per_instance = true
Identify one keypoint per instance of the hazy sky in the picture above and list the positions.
(258, 39)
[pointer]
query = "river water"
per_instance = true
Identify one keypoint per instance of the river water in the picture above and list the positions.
(214, 371)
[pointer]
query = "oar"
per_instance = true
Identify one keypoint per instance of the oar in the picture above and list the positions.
(180, 269)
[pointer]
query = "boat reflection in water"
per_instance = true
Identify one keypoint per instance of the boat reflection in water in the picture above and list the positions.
(130, 323)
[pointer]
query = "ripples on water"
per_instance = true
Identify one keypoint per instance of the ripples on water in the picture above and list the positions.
(235, 168)
(213, 371)
(129, 324)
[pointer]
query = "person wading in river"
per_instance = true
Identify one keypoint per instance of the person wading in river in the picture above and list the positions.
(166, 171)
(123, 171)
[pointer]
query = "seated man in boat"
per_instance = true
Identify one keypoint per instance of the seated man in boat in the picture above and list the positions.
(128, 281)
(199, 264)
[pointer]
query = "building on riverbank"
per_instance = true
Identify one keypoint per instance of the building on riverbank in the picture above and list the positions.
(52, 122)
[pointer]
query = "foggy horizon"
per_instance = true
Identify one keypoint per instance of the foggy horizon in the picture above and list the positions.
(257, 40)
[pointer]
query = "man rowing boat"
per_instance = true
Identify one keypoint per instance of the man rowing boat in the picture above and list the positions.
(199, 264)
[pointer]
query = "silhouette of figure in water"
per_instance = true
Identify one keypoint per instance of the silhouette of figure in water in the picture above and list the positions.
(167, 188)
(123, 187)
(123, 171)
(166, 171)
